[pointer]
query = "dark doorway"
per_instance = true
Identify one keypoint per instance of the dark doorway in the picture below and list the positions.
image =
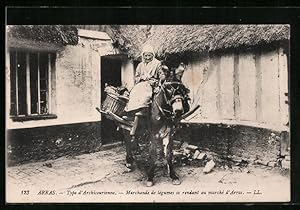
(111, 75)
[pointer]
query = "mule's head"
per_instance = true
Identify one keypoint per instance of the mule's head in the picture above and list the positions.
(175, 93)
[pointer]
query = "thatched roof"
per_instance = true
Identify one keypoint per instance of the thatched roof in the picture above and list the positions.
(185, 39)
(56, 34)
(20, 43)
(129, 38)
(167, 40)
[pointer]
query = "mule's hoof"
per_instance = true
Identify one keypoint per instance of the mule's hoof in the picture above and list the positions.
(129, 167)
(176, 182)
(128, 170)
(149, 183)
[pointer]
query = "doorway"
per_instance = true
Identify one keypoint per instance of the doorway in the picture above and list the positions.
(111, 75)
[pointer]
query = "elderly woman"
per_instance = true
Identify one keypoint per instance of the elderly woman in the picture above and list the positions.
(148, 73)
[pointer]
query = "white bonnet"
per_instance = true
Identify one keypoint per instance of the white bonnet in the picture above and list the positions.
(148, 49)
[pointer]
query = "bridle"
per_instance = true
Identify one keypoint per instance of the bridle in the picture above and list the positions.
(169, 115)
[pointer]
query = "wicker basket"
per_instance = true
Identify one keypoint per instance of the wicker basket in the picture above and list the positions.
(114, 103)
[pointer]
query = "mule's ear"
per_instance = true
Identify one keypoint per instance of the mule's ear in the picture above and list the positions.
(180, 70)
(165, 68)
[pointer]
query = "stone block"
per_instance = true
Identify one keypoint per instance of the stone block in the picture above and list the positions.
(184, 145)
(192, 147)
(209, 166)
(196, 154)
(202, 156)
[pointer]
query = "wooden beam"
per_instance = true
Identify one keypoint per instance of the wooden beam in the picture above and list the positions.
(17, 91)
(283, 86)
(236, 90)
(227, 86)
(38, 85)
(270, 110)
(247, 86)
(258, 86)
(218, 90)
(8, 84)
(28, 96)
(49, 83)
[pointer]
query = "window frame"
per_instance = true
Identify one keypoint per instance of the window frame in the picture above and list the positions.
(29, 115)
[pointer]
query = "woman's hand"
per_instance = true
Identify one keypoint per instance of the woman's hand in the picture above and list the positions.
(153, 82)
(137, 80)
(143, 78)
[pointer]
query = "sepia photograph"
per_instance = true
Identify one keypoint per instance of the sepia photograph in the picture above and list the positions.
(147, 113)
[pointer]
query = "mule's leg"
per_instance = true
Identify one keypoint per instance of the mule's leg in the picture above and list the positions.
(129, 155)
(150, 174)
(151, 169)
(174, 177)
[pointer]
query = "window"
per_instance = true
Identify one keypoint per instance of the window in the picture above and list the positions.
(30, 74)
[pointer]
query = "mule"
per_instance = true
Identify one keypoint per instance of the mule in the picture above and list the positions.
(169, 103)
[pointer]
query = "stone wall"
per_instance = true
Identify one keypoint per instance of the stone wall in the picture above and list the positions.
(237, 142)
(228, 142)
(51, 142)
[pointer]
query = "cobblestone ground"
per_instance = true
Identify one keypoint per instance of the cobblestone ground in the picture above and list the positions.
(104, 178)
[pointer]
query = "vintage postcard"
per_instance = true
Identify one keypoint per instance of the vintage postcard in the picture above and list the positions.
(147, 113)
